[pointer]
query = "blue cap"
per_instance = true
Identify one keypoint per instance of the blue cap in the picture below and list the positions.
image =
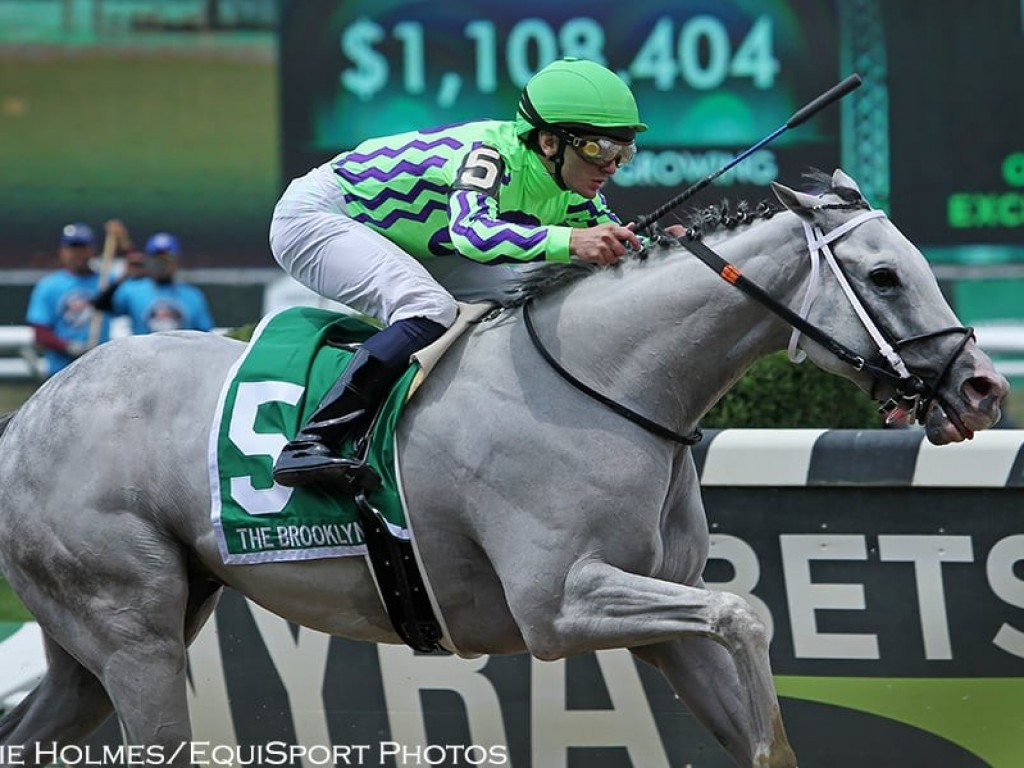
(163, 242)
(77, 234)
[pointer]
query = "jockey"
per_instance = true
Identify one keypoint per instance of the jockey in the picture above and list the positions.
(383, 227)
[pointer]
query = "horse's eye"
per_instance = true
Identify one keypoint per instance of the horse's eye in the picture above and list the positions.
(883, 277)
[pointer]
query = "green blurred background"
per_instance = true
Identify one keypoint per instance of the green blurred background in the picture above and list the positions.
(94, 134)
(189, 116)
(149, 112)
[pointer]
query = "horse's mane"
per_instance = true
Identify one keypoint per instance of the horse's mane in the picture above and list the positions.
(5, 420)
(545, 277)
(537, 280)
(723, 216)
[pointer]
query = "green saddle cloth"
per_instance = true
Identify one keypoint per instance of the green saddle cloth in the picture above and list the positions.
(290, 364)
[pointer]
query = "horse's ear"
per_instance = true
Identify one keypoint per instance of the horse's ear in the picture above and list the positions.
(841, 181)
(798, 202)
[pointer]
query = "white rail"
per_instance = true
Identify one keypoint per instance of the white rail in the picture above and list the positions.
(18, 358)
(1006, 344)
(21, 361)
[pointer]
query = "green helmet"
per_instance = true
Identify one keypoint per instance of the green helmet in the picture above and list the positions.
(577, 92)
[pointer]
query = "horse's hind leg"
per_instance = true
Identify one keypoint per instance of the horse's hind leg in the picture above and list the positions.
(144, 663)
(125, 619)
(66, 706)
(69, 703)
(703, 674)
(147, 679)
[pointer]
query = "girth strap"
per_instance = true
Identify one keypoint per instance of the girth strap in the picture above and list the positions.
(399, 581)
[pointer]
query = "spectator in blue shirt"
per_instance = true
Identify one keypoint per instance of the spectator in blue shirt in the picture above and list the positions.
(59, 308)
(159, 302)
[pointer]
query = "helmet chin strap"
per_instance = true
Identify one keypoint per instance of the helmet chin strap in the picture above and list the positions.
(558, 160)
(532, 116)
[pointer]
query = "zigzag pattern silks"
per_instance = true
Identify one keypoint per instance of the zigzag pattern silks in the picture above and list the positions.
(440, 243)
(405, 191)
(585, 214)
(404, 168)
(518, 237)
(424, 213)
(390, 195)
(424, 146)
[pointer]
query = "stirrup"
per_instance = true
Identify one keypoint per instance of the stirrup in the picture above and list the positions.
(337, 472)
(350, 418)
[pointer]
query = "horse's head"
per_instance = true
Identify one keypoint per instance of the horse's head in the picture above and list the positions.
(876, 295)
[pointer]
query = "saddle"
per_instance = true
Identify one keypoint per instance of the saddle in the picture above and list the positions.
(293, 358)
(423, 361)
(392, 558)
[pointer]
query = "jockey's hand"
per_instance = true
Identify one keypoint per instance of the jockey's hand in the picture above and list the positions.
(602, 244)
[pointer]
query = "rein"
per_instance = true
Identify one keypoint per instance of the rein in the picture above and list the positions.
(911, 390)
(637, 418)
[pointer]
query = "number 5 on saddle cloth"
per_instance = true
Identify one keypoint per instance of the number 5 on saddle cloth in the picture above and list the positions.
(294, 357)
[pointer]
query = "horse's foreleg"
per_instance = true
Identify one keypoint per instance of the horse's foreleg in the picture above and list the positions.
(705, 677)
(65, 707)
(605, 607)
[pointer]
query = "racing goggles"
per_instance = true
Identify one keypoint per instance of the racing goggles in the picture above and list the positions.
(601, 150)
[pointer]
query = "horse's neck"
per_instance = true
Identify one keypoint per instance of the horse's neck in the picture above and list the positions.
(669, 334)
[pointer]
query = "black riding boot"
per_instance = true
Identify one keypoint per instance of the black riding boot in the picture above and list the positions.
(311, 457)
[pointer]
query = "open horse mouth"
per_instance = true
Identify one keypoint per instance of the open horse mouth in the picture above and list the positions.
(981, 398)
(941, 426)
(944, 425)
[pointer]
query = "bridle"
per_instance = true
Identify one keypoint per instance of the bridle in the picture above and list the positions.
(912, 393)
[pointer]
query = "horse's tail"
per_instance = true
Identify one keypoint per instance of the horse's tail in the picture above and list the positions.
(5, 420)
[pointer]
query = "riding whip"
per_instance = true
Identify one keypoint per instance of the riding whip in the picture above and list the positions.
(803, 114)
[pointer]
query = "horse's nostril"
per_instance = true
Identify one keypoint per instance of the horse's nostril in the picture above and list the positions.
(978, 388)
(980, 385)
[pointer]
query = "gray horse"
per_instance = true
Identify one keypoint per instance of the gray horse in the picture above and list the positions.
(545, 522)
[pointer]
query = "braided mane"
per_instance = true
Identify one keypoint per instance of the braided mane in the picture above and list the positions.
(538, 279)
(720, 216)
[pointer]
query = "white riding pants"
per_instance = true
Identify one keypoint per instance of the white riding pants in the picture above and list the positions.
(315, 241)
